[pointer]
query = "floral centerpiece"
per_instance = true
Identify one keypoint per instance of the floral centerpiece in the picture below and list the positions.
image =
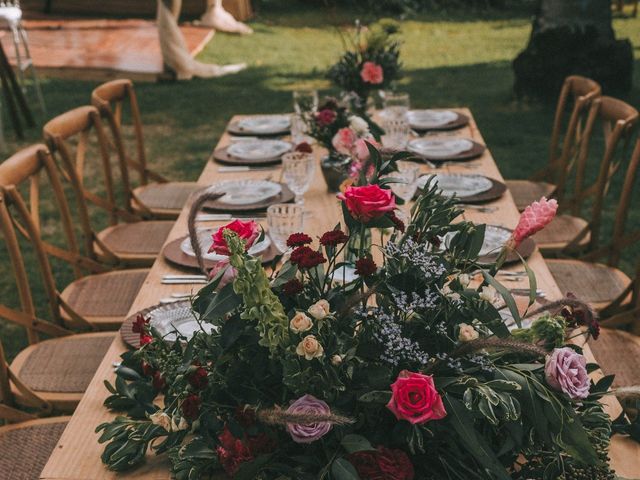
(407, 371)
(370, 62)
(345, 136)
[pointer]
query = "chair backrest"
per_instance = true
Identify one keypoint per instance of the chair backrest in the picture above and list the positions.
(581, 91)
(618, 121)
(22, 171)
(112, 99)
(74, 130)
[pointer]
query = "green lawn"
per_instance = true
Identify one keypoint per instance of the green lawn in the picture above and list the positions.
(450, 59)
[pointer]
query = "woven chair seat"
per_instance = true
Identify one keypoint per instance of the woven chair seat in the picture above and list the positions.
(560, 232)
(170, 196)
(618, 353)
(63, 365)
(104, 299)
(525, 192)
(27, 447)
(593, 283)
(137, 242)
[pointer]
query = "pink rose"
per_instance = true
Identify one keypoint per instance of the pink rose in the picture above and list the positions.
(228, 276)
(372, 73)
(247, 231)
(415, 398)
(308, 432)
(566, 371)
(534, 218)
(344, 140)
(361, 150)
(368, 202)
(326, 117)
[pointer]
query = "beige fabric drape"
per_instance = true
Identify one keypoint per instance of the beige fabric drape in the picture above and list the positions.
(175, 53)
(217, 17)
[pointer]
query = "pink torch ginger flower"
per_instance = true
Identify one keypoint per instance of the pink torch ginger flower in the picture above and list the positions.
(534, 218)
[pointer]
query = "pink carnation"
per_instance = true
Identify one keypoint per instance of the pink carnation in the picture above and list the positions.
(534, 218)
(372, 73)
(344, 140)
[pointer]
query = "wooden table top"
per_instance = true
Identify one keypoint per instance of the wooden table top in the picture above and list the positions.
(77, 454)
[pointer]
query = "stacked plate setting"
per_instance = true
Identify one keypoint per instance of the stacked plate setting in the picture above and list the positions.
(258, 150)
(265, 125)
(460, 185)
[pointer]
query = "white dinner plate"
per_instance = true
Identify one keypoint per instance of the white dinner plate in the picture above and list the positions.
(426, 119)
(178, 317)
(494, 239)
(440, 147)
(258, 149)
(245, 192)
(268, 124)
(204, 237)
(459, 185)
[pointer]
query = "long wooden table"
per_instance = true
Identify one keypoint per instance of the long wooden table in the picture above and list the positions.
(77, 454)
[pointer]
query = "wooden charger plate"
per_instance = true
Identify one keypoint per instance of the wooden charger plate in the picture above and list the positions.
(222, 156)
(174, 254)
(285, 196)
(461, 121)
(496, 191)
(474, 152)
(234, 129)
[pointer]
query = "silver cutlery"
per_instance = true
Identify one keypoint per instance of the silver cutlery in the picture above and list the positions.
(216, 217)
(525, 292)
(186, 281)
(245, 168)
(478, 208)
(171, 276)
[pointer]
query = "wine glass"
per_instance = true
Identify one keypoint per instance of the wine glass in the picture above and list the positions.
(407, 181)
(283, 220)
(305, 101)
(298, 129)
(396, 132)
(396, 104)
(297, 171)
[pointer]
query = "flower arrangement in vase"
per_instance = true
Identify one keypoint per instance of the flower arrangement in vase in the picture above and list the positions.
(370, 62)
(407, 371)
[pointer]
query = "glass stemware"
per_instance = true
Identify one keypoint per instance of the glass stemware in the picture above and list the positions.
(407, 184)
(297, 171)
(396, 104)
(298, 129)
(283, 220)
(305, 101)
(395, 121)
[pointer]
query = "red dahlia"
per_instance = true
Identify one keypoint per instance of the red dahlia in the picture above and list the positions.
(198, 379)
(326, 116)
(191, 406)
(382, 464)
(306, 257)
(292, 287)
(365, 267)
(140, 324)
(333, 238)
(298, 239)
(304, 147)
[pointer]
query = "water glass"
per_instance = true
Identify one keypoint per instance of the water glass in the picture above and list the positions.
(298, 129)
(305, 101)
(283, 220)
(396, 104)
(407, 176)
(397, 131)
(297, 171)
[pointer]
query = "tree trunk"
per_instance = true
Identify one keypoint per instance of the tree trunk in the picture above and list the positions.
(572, 37)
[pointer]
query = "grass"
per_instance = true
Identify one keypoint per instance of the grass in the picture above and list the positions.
(450, 59)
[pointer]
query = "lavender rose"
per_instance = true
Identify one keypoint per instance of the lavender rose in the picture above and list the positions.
(566, 371)
(308, 432)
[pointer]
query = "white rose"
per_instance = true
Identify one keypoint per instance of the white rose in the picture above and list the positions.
(358, 125)
(488, 293)
(464, 280)
(162, 419)
(300, 323)
(336, 360)
(467, 333)
(320, 309)
(309, 348)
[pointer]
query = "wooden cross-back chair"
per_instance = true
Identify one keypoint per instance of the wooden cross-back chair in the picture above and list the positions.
(155, 197)
(133, 243)
(603, 285)
(570, 233)
(98, 301)
(26, 441)
(576, 96)
(55, 371)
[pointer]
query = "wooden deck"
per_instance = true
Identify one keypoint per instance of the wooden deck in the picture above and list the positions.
(94, 49)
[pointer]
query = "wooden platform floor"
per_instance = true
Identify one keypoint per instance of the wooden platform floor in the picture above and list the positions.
(94, 49)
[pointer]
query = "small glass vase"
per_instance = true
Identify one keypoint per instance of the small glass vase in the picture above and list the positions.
(335, 169)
